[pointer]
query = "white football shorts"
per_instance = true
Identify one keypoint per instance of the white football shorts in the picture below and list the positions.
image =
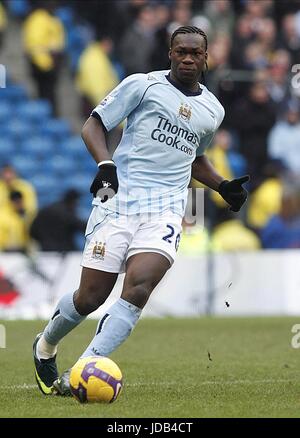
(111, 238)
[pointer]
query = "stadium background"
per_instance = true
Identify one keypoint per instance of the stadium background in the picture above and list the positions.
(53, 70)
(59, 59)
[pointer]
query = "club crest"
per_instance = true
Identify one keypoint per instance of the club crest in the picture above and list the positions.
(99, 251)
(185, 112)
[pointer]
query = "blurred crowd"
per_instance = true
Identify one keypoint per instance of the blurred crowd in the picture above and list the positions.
(254, 48)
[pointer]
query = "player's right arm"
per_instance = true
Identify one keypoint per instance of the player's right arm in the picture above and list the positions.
(121, 102)
(105, 184)
(94, 136)
(112, 110)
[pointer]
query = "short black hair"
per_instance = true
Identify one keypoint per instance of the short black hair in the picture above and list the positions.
(189, 29)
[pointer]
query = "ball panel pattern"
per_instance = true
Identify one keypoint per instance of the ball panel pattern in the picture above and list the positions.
(95, 379)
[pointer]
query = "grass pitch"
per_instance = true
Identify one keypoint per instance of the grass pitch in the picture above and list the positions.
(206, 367)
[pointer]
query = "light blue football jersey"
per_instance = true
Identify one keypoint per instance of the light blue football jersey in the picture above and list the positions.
(166, 128)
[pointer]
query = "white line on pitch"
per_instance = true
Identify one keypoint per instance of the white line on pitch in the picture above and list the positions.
(208, 382)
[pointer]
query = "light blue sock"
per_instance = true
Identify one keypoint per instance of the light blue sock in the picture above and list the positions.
(114, 328)
(64, 319)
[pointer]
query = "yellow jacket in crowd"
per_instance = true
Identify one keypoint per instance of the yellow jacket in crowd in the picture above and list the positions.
(232, 235)
(14, 234)
(264, 202)
(3, 20)
(194, 241)
(96, 75)
(28, 192)
(43, 36)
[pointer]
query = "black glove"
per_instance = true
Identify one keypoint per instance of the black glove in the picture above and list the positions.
(234, 193)
(105, 184)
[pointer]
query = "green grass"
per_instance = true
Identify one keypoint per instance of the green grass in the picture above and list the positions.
(252, 371)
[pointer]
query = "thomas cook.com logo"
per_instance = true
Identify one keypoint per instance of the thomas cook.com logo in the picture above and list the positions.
(2, 336)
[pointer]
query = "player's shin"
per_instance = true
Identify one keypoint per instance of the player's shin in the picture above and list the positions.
(114, 328)
(65, 318)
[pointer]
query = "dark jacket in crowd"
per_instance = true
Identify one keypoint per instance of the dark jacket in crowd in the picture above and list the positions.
(56, 225)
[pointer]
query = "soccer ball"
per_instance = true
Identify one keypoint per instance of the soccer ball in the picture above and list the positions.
(96, 379)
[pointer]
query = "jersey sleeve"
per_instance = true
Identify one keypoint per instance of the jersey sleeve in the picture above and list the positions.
(206, 140)
(120, 102)
(204, 143)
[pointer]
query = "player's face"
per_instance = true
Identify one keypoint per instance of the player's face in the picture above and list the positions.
(188, 57)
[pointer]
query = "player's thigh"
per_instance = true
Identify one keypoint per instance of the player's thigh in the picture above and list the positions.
(107, 240)
(160, 234)
(143, 272)
(95, 287)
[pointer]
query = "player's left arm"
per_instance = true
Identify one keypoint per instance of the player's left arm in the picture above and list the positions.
(232, 191)
(204, 172)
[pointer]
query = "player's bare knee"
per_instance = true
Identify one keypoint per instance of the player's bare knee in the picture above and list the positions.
(88, 300)
(83, 306)
(137, 294)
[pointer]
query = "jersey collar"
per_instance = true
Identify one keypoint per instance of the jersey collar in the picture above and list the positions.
(184, 90)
